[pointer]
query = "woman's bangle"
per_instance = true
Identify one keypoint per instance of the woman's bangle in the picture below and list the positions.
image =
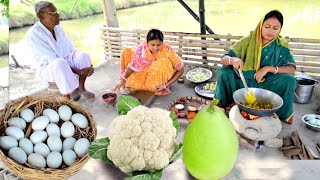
(123, 79)
(230, 60)
(276, 70)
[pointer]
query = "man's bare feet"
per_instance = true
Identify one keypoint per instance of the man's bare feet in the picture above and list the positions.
(87, 94)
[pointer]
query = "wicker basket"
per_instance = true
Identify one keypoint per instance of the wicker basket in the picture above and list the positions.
(38, 104)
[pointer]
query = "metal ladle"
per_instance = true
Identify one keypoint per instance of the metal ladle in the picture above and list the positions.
(249, 95)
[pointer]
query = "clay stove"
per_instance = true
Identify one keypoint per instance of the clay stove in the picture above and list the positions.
(260, 129)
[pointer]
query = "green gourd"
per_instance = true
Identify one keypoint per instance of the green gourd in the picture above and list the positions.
(210, 145)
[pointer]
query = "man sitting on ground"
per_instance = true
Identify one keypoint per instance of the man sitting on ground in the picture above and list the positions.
(59, 64)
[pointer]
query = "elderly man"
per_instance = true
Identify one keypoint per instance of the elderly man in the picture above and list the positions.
(57, 61)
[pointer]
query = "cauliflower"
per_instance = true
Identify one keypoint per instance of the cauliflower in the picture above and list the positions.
(144, 139)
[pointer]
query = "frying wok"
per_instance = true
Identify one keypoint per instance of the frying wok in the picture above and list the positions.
(263, 96)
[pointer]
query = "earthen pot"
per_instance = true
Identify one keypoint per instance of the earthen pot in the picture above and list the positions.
(109, 97)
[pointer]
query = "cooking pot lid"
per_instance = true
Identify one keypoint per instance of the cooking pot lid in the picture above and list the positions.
(304, 76)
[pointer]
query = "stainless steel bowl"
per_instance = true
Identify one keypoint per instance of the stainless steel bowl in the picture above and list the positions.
(262, 95)
(199, 70)
(311, 126)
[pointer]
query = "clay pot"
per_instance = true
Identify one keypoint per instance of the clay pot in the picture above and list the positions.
(109, 97)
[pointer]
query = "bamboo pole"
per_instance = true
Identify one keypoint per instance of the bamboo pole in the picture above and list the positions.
(110, 13)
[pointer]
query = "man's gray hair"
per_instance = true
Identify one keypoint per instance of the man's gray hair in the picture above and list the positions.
(41, 5)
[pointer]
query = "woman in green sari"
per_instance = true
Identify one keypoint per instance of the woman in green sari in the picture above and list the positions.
(266, 62)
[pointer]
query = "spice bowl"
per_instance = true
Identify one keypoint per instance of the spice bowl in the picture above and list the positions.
(191, 116)
(109, 97)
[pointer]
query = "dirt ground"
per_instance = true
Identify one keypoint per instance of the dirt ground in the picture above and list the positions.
(265, 163)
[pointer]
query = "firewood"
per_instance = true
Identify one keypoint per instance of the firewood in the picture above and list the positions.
(300, 138)
(301, 156)
(312, 155)
(318, 149)
(287, 147)
(304, 152)
(287, 141)
(291, 152)
(295, 138)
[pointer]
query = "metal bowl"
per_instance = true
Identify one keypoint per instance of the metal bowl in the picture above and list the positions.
(262, 95)
(311, 126)
(199, 70)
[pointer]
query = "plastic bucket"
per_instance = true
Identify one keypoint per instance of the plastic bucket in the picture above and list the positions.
(304, 90)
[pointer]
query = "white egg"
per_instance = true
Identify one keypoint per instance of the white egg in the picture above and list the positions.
(312, 121)
(65, 112)
(42, 148)
(69, 157)
(18, 155)
(26, 145)
(54, 143)
(27, 115)
(52, 115)
(38, 137)
(67, 129)
(79, 120)
(309, 117)
(37, 160)
(15, 132)
(40, 123)
(81, 147)
(54, 160)
(18, 122)
(53, 130)
(8, 142)
(68, 143)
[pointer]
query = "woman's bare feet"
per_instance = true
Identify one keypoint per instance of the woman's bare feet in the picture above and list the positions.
(87, 94)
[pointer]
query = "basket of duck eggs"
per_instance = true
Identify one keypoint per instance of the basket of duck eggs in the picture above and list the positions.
(45, 137)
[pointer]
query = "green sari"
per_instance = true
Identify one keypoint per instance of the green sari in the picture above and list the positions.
(249, 49)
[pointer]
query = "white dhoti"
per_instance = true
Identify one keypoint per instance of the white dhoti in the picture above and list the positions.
(59, 71)
(54, 57)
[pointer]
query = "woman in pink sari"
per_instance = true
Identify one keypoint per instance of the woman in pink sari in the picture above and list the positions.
(153, 66)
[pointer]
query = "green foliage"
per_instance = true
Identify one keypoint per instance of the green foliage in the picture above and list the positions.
(4, 47)
(22, 14)
(5, 10)
(147, 176)
(175, 122)
(98, 150)
(125, 103)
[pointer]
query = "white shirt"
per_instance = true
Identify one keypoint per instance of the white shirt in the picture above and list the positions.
(45, 48)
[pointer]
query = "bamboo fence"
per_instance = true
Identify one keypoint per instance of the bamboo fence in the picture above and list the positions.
(205, 50)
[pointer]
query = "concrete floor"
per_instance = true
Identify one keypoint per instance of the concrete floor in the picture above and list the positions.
(267, 163)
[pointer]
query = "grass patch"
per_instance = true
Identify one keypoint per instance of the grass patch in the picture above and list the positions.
(23, 14)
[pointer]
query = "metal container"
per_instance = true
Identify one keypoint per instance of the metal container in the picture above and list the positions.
(310, 126)
(262, 95)
(196, 71)
(304, 90)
